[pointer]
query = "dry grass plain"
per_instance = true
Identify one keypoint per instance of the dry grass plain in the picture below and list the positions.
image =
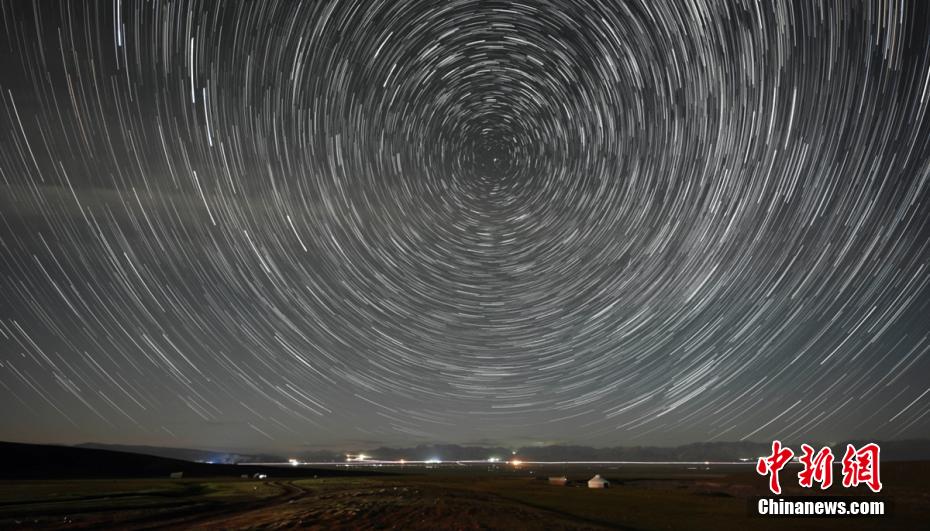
(445, 498)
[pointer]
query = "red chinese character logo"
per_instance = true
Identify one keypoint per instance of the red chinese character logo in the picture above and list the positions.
(861, 467)
(817, 468)
(773, 463)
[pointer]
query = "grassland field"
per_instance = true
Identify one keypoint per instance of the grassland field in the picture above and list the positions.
(446, 498)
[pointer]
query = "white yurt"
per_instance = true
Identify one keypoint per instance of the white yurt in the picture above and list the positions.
(597, 482)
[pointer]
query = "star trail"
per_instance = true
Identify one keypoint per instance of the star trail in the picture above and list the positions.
(284, 224)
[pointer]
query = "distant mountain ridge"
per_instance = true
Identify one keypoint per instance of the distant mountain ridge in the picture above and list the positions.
(907, 450)
(184, 454)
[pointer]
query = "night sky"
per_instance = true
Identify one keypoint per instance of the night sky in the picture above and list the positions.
(344, 224)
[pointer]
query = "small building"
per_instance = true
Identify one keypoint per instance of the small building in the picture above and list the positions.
(558, 480)
(176, 475)
(597, 482)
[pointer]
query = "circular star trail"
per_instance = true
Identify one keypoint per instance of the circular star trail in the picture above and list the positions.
(310, 223)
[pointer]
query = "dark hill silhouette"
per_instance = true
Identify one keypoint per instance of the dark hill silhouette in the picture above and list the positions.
(39, 461)
(187, 454)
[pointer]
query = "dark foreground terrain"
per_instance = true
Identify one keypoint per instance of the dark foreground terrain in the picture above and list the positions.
(431, 500)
